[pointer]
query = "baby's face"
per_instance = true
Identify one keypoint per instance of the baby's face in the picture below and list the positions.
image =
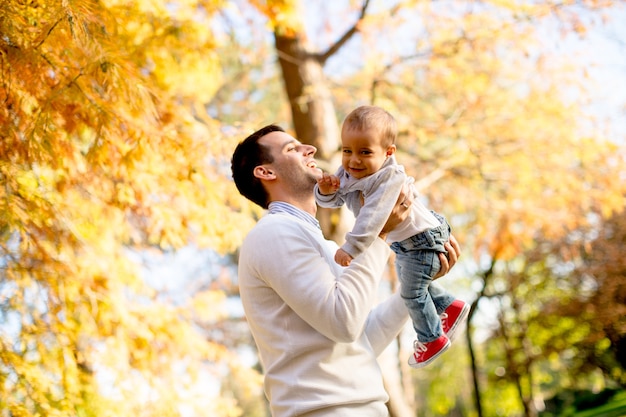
(362, 152)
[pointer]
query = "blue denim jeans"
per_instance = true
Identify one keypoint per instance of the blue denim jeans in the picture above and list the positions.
(417, 262)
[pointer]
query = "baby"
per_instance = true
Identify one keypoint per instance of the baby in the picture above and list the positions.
(369, 182)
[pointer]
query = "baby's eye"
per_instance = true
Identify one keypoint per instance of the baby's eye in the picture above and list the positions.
(366, 152)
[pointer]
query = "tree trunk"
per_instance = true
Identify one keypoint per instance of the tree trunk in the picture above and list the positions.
(474, 365)
(313, 114)
(487, 275)
(311, 103)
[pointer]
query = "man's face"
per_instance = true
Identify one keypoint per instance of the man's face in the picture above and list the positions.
(293, 163)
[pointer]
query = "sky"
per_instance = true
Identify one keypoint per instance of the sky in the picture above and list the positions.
(600, 52)
(605, 48)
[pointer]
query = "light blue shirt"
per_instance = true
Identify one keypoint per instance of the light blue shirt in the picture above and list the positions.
(282, 207)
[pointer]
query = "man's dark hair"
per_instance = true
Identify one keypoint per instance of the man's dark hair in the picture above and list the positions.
(248, 155)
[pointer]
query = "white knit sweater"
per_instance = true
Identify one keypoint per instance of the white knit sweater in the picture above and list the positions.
(316, 325)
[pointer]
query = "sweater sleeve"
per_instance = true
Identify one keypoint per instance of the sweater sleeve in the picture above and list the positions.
(298, 266)
(380, 197)
(385, 322)
(334, 200)
(329, 201)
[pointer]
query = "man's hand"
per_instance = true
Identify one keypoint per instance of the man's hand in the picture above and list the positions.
(454, 251)
(399, 212)
(342, 257)
(328, 184)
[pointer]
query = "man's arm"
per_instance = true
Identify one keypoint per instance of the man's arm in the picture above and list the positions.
(300, 269)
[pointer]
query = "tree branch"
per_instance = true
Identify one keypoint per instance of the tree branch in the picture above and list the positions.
(345, 38)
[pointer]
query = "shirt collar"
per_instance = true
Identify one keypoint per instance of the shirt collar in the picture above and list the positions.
(282, 207)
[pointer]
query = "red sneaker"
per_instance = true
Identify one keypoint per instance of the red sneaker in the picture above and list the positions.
(427, 352)
(454, 315)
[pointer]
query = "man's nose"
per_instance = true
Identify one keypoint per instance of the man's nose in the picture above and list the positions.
(309, 150)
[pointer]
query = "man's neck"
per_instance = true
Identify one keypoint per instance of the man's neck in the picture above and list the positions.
(277, 206)
(305, 201)
(306, 206)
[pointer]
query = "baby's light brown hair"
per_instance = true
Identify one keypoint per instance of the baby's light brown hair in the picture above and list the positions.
(373, 118)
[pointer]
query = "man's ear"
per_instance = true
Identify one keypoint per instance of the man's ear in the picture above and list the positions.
(264, 173)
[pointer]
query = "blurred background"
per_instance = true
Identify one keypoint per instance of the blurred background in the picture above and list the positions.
(120, 223)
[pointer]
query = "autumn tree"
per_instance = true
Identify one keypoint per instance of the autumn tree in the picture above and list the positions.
(118, 122)
(487, 126)
(598, 301)
(559, 320)
(106, 151)
(490, 140)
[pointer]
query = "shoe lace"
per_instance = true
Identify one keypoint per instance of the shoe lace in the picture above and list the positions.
(419, 346)
(444, 319)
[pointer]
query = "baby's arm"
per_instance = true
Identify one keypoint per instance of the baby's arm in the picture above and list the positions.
(383, 190)
(328, 184)
(342, 257)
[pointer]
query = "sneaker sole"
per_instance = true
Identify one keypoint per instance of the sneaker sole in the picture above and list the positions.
(423, 364)
(462, 317)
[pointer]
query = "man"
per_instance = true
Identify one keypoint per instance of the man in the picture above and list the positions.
(316, 324)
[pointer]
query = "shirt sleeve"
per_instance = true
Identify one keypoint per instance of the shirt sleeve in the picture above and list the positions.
(379, 199)
(334, 301)
(328, 201)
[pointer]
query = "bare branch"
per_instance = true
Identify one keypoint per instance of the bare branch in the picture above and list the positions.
(345, 38)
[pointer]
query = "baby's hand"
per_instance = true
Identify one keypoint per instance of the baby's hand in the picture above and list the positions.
(328, 184)
(342, 257)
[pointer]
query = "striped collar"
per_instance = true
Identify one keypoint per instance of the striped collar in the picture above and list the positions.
(282, 207)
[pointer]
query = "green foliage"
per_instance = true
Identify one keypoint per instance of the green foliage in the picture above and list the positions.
(576, 403)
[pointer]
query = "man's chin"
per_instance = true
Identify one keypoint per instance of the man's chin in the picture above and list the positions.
(317, 173)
